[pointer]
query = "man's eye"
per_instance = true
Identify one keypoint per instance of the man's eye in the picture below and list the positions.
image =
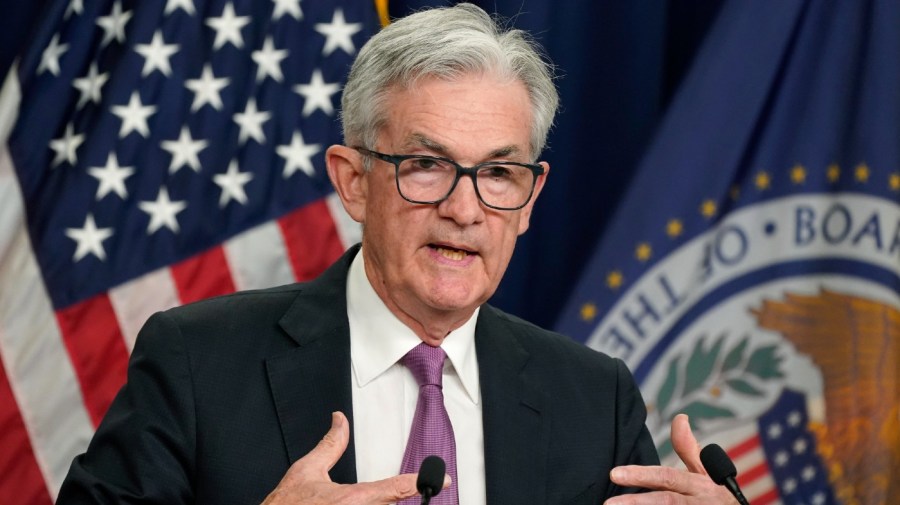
(497, 171)
(425, 163)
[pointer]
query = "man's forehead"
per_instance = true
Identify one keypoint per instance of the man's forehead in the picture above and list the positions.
(419, 140)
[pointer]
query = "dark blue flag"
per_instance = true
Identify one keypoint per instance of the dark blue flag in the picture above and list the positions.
(751, 277)
(153, 153)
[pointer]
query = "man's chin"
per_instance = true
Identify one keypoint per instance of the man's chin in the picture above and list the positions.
(455, 298)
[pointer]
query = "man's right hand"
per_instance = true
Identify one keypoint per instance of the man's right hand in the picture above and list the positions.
(307, 482)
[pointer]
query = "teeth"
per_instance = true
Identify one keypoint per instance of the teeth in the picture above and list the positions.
(452, 254)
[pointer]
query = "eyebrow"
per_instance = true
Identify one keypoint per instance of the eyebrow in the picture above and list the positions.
(419, 140)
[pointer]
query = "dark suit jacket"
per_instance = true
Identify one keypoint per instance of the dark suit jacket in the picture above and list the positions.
(223, 395)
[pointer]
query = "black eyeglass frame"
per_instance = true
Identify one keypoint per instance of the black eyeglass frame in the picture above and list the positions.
(396, 159)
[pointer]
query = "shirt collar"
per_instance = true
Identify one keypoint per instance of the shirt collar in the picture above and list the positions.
(378, 339)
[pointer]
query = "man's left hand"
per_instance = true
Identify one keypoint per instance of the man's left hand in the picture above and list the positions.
(669, 485)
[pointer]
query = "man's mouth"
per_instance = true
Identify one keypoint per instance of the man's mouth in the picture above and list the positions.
(450, 252)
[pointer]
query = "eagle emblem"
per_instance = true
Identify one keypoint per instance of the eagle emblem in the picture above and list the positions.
(855, 342)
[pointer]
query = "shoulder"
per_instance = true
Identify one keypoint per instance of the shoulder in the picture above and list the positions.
(237, 322)
(254, 304)
(551, 349)
(322, 295)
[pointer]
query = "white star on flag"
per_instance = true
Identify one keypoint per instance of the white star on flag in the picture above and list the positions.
(50, 57)
(338, 34)
(89, 239)
(317, 94)
(269, 60)
(298, 155)
(90, 85)
(808, 473)
(251, 121)
(186, 5)
(134, 116)
(790, 485)
(206, 89)
(162, 211)
(65, 146)
(232, 183)
(184, 151)
(156, 54)
(228, 27)
(75, 7)
(111, 177)
(114, 24)
(291, 7)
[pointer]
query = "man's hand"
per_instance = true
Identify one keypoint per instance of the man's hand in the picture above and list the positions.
(307, 483)
(669, 485)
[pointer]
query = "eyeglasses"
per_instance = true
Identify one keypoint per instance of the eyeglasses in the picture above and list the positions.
(501, 185)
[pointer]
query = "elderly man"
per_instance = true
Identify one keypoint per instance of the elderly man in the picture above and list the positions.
(394, 347)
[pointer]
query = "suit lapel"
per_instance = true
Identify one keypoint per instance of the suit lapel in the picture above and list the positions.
(516, 436)
(312, 380)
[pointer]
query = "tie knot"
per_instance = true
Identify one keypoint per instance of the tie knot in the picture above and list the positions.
(426, 364)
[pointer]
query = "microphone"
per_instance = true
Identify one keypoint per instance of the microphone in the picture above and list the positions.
(721, 470)
(431, 478)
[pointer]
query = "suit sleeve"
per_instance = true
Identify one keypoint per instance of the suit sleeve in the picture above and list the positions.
(635, 445)
(143, 450)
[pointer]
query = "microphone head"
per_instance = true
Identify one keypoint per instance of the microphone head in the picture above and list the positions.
(717, 464)
(431, 476)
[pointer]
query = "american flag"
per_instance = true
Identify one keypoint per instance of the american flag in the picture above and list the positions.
(776, 456)
(153, 153)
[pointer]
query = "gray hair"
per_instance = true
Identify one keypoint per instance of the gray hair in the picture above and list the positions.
(447, 43)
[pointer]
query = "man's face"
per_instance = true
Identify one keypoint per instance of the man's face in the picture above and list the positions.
(441, 261)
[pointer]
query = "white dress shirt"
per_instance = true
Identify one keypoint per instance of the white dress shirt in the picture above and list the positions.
(385, 392)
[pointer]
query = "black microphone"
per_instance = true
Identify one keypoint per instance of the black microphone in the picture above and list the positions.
(431, 478)
(721, 470)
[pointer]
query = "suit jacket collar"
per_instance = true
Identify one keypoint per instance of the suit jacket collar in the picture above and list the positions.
(313, 379)
(516, 436)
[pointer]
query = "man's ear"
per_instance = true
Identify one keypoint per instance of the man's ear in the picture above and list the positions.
(525, 217)
(347, 174)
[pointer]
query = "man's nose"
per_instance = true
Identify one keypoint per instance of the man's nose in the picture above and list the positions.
(463, 204)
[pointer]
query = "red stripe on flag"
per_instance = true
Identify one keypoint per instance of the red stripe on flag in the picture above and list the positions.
(771, 496)
(202, 276)
(751, 474)
(311, 238)
(744, 447)
(98, 353)
(22, 480)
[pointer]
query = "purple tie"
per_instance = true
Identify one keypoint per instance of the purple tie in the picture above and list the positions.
(431, 433)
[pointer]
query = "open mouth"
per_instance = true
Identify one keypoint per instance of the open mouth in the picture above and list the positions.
(450, 252)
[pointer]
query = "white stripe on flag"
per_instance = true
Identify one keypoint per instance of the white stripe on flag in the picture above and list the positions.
(40, 373)
(138, 299)
(349, 231)
(751, 461)
(258, 258)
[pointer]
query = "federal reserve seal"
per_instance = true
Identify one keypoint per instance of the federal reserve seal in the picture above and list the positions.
(777, 331)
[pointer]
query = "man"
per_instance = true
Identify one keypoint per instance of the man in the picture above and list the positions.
(226, 401)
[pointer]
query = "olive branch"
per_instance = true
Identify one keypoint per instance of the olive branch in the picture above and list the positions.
(692, 384)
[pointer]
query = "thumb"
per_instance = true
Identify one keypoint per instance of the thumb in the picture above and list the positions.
(329, 450)
(686, 445)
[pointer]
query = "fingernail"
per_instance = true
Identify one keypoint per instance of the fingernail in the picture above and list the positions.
(447, 480)
(336, 419)
(616, 474)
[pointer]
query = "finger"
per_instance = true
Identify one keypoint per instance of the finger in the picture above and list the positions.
(686, 445)
(654, 498)
(389, 490)
(329, 450)
(657, 478)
